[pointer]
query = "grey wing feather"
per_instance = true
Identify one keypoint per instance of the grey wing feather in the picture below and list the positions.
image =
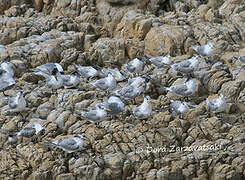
(12, 104)
(130, 67)
(212, 106)
(101, 84)
(114, 108)
(137, 113)
(157, 62)
(184, 67)
(174, 106)
(180, 89)
(185, 63)
(66, 80)
(46, 68)
(91, 115)
(27, 132)
(127, 92)
(83, 72)
(69, 144)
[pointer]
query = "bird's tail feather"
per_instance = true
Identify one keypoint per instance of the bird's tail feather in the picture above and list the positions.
(195, 47)
(49, 144)
(191, 105)
(79, 113)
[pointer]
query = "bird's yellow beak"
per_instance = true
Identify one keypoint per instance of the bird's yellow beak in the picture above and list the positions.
(115, 76)
(106, 109)
(84, 138)
(150, 103)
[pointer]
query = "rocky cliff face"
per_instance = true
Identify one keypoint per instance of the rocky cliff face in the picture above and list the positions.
(109, 33)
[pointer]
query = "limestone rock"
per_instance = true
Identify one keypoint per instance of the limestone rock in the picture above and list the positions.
(115, 163)
(166, 39)
(108, 51)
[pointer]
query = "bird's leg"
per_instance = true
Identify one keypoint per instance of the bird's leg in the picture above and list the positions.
(64, 158)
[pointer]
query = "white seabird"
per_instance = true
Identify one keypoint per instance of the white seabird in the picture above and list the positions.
(130, 91)
(216, 104)
(31, 130)
(137, 65)
(69, 144)
(136, 81)
(115, 105)
(95, 115)
(55, 81)
(86, 71)
(187, 66)
(105, 84)
(18, 103)
(119, 75)
(179, 107)
(205, 50)
(144, 110)
(48, 68)
(70, 81)
(161, 61)
(184, 90)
